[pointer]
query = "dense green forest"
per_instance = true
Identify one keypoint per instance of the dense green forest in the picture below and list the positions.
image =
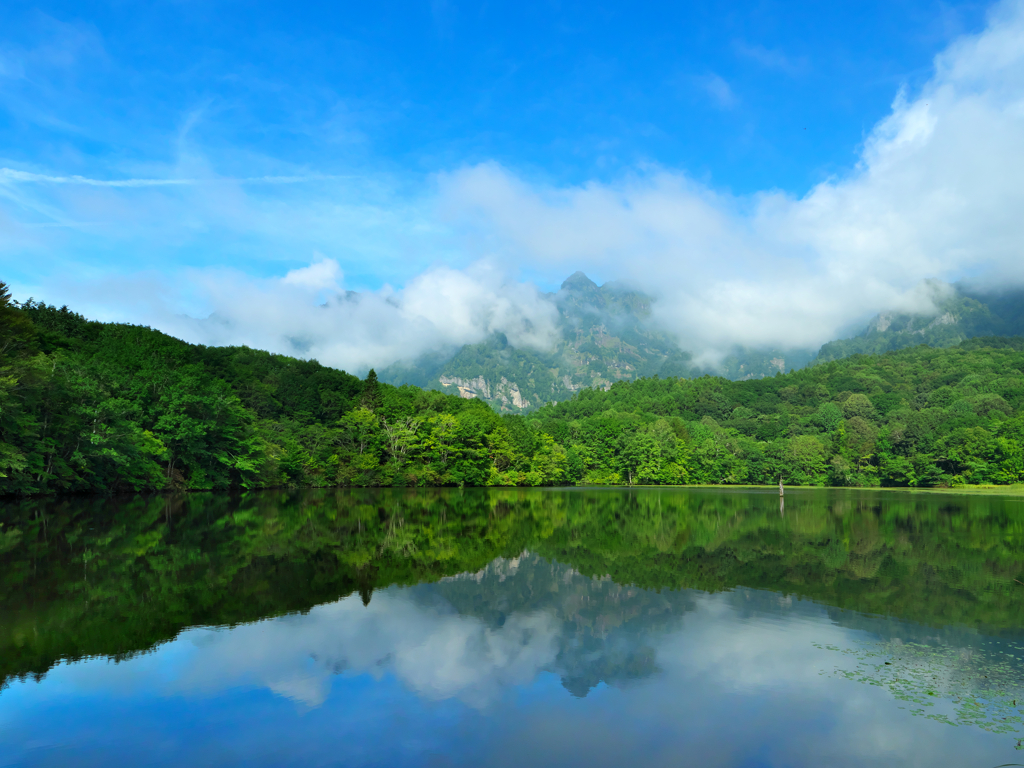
(89, 576)
(102, 407)
(917, 417)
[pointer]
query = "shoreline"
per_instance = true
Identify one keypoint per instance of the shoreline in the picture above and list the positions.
(1015, 489)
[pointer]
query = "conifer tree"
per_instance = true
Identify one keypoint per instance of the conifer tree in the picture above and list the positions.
(371, 392)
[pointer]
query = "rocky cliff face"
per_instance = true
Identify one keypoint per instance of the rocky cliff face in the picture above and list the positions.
(605, 338)
(504, 391)
(917, 324)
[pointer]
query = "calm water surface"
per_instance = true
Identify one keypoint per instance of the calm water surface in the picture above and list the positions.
(508, 627)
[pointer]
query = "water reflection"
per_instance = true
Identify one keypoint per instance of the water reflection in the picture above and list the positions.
(486, 628)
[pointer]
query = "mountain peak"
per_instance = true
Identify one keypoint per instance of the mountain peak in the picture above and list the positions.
(578, 281)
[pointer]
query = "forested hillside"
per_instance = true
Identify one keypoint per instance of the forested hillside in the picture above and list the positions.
(917, 417)
(93, 407)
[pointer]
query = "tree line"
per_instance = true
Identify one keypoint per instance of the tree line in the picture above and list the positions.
(106, 407)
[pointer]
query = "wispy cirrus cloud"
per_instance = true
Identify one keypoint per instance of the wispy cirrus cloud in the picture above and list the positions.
(11, 175)
(770, 58)
(718, 89)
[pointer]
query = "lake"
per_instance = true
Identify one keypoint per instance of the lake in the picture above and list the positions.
(492, 627)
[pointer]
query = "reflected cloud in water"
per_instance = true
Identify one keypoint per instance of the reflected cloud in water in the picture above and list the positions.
(527, 661)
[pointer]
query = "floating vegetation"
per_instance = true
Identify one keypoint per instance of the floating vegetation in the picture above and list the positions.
(980, 686)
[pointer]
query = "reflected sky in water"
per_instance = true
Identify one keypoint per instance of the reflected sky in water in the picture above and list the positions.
(527, 662)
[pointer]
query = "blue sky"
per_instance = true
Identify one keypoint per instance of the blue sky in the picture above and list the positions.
(396, 139)
(745, 95)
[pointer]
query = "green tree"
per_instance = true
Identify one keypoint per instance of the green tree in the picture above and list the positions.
(371, 398)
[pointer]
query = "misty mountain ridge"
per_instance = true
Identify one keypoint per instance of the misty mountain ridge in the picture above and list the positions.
(960, 313)
(606, 334)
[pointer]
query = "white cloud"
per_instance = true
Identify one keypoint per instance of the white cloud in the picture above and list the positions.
(322, 274)
(439, 309)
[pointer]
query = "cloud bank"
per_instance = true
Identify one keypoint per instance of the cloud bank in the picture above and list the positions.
(308, 313)
(935, 195)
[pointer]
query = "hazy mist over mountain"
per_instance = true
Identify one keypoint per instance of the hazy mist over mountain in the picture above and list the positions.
(610, 333)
